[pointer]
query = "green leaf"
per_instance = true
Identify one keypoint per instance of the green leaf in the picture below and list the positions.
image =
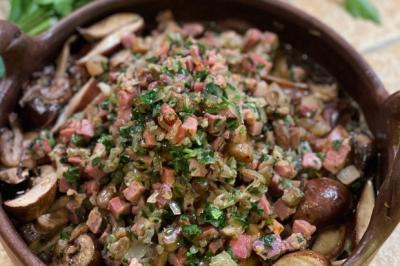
(2, 69)
(214, 216)
(364, 9)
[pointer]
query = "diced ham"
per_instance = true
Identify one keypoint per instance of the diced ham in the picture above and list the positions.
(67, 131)
(264, 204)
(176, 133)
(94, 172)
(63, 185)
(218, 144)
(196, 169)
(91, 187)
(125, 99)
(127, 40)
(190, 126)
(259, 60)
(118, 207)
(335, 159)
(209, 232)
(192, 29)
(272, 251)
(167, 117)
(220, 80)
(168, 176)
(282, 210)
(138, 207)
(216, 124)
(94, 221)
(133, 192)
(285, 169)
(85, 128)
(294, 242)
(177, 259)
(338, 133)
(216, 245)
(241, 247)
(149, 139)
(308, 106)
(303, 227)
(75, 160)
(311, 160)
(198, 86)
(135, 262)
(252, 37)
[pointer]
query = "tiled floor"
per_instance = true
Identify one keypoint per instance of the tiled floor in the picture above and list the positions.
(381, 47)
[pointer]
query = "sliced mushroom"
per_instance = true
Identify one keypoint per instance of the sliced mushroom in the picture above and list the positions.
(38, 199)
(303, 258)
(11, 143)
(107, 26)
(364, 210)
(12, 176)
(51, 223)
(114, 39)
(83, 252)
(78, 102)
(330, 241)
(62, 61)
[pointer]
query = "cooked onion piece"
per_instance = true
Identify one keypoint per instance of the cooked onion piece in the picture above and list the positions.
(364, 210)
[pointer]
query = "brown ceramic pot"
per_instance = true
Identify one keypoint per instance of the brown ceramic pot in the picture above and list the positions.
(23, 55)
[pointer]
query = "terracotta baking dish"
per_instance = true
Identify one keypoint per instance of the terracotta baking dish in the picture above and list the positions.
(24, 55)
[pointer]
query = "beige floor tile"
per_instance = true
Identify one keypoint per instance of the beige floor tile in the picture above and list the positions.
(362, 34)
(386, 62)
(4, 7)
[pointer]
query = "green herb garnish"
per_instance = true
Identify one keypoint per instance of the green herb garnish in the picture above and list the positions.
(214, 216)
(191, 230)
(363, 9)
(72, 174)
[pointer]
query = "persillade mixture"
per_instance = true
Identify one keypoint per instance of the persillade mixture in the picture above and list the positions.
(189, 146)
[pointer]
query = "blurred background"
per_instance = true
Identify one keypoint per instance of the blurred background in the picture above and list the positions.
(371, 26)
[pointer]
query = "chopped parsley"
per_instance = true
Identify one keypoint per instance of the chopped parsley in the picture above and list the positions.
(191, 230)
(241, 218)
(72, 174)
(149, 97)
(268, 240)
(214, 216)
(336, 144)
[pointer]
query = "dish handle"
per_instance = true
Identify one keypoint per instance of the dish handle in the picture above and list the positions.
(386, 213)
(22, 55)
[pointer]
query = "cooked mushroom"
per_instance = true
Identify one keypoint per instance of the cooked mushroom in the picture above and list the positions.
(106, 26)
(12, 176)
(114, 39)
(11, 143)
(51, 223)
(82, 252)
(325, 201)
(78, 102)
(303, 258)
(364, 210)
(330, 241)
(38, 199)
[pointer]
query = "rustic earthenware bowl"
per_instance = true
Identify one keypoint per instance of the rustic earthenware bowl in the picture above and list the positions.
(23, 55)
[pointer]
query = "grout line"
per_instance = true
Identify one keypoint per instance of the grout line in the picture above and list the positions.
(380, 45)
